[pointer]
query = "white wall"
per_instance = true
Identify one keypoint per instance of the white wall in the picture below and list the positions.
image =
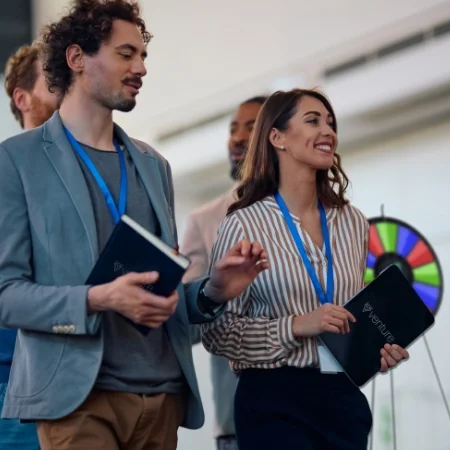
(205, 49)
(45, 11)
(206, 56)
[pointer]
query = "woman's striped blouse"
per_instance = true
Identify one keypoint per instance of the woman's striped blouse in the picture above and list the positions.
(255, 330)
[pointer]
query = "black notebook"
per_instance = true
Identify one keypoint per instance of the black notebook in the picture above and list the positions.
(131, 248)
(387, 311)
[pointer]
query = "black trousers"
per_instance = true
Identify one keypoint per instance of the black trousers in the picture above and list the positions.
(301, 409)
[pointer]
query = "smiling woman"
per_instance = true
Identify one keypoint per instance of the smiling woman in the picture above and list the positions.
(291, 199)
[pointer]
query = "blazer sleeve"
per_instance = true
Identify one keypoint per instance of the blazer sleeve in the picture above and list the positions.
(23, 303)
(193, 287)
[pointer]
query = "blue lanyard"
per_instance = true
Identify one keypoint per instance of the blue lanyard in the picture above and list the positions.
(323, 297)
(116, 211)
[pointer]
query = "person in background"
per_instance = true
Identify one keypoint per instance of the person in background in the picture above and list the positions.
(32, 104)
(197, 243)
(292, 200)
(88, 377)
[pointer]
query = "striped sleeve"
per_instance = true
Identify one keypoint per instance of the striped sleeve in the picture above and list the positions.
(235, 334)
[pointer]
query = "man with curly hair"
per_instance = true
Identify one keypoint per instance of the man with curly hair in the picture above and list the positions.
(31, 101)
(88, 377)
(32, 104)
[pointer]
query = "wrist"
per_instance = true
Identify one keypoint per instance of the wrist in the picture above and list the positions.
(206, 304)
(96, 300)
(297, 327)
(211, 294)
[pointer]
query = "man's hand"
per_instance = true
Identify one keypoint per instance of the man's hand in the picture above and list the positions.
(232, 274)
(126, 296)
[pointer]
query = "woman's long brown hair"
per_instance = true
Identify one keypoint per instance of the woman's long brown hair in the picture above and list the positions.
(259, 173)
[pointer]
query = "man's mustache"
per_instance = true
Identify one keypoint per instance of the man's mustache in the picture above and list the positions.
(239, 146)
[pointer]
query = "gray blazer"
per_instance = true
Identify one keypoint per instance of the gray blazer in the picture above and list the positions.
(48, 248)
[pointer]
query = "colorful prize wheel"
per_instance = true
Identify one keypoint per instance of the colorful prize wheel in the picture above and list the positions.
(392, 241)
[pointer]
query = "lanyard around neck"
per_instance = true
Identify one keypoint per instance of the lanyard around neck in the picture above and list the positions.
(324, 297)
(116, 210)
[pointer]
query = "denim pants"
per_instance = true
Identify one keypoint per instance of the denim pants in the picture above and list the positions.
(15, 435)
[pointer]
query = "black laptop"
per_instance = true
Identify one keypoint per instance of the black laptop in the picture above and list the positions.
(388, 310)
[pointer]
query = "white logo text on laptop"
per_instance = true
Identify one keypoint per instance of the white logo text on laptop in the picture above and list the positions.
(378, 323)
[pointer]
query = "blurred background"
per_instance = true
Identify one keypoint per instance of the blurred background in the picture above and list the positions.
(386, 68)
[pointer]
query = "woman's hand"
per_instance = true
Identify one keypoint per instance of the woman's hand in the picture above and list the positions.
(391, 355)
(332, 318)
(237, 270)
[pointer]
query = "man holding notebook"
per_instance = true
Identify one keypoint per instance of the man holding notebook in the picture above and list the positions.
(82, 369)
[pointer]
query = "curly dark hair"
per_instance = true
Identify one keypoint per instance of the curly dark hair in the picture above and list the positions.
(88, 24)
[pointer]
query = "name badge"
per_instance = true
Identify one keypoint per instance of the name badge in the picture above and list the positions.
(328, 363)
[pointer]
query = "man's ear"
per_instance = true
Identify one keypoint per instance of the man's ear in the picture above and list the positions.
(75, 58)
(22, 99)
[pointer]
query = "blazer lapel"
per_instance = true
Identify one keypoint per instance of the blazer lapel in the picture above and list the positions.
(65, 162)
(63, 159)
(149, 171)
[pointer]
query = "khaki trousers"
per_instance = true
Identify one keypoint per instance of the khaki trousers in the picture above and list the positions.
(117, 421)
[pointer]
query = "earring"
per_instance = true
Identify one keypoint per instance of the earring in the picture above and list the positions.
(282, 147)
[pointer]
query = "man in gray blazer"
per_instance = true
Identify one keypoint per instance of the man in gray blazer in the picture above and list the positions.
(197, 243)
(87, 376)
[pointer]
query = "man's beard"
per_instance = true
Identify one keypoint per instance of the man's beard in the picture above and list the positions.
(235, 170)
(40, 111)
(119, 102)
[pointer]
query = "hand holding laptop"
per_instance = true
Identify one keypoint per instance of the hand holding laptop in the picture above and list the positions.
(335, 319)
(328, 317)
(391, 355)
(390, 317)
